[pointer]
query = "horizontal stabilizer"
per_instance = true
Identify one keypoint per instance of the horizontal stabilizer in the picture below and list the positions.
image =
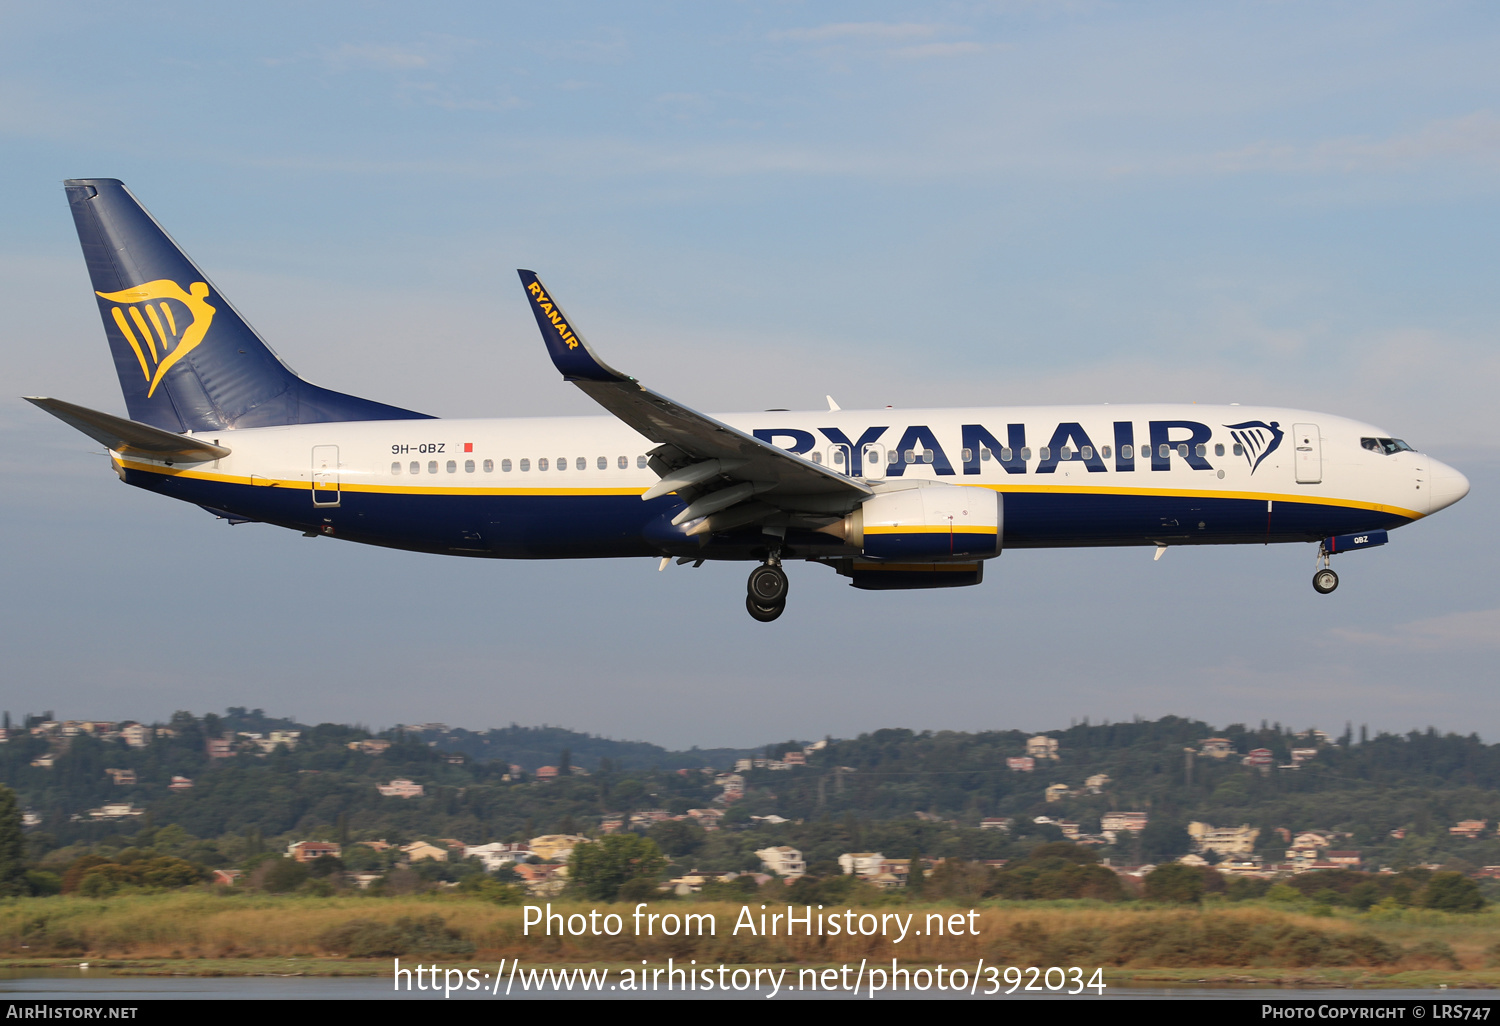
(130, 437)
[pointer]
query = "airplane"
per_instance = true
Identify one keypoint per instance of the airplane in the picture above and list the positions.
(891, 499)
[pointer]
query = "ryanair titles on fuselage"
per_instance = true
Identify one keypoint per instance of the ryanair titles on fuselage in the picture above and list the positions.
(1187, 440)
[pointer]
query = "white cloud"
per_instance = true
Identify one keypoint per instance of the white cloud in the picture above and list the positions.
(1470, 137)
(1478, 628)
(927, 51)
(859, 30)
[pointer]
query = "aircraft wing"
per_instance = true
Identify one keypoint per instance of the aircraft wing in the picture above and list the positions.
(713, 465)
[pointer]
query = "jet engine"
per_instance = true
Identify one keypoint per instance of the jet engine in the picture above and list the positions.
(925, 523)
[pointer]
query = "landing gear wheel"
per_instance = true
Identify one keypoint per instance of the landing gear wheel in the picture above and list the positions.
(765, 614)
(1324, 581)
(768, 586)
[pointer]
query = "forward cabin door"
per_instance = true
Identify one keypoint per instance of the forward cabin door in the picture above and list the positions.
(325, 475)
(1309, 453)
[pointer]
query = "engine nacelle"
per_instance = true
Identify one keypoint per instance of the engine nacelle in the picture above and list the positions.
(926, 523)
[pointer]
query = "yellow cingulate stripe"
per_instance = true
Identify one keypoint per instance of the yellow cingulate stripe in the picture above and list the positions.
(1409, 514)
(167, 313)
(929, 529)
(1193, 493)
(140, 322)
(265, 482)
(156, 323)
(130, 337)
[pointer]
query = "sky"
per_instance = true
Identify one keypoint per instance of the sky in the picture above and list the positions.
(748, 206)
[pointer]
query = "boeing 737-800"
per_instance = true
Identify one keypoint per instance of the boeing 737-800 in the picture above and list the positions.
(891, 499)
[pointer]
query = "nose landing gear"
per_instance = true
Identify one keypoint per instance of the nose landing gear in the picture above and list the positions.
(767, 587)
(1325, 580)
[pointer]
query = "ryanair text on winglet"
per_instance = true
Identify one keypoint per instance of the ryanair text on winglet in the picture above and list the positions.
(545, 304)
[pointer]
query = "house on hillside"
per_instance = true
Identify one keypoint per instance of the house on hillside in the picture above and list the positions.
(1216, 747)
(400, 789)
(1020, 764)
(783, 860)
(309, 851)
(556, 846)
(1470, 828)
(862, 863)
(121, 777)
(1117, 821)
(1238, 840)
(180, 784)
(1042, 747)
(419, 850)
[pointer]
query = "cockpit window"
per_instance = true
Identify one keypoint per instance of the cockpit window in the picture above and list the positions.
(1386, 446)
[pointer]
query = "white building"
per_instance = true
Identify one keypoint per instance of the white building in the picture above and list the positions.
(782, 860)
(862, 863)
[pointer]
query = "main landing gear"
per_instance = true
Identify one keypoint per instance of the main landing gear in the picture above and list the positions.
(767, 587)
(1325, 580)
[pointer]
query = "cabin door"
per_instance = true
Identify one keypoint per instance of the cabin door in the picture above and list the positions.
(1309, 453)
(325, 475)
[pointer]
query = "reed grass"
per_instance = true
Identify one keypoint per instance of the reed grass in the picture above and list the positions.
(217, 925)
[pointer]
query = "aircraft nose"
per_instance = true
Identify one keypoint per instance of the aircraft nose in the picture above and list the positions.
(1447, 486)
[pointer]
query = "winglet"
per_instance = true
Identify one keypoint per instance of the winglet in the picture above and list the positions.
(570, 353)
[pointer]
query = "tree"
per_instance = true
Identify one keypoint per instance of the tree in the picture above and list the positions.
(1174, 883)
(915, 877)
(1164, 839)
(1452, 892)
(602, 867)
(12, 847)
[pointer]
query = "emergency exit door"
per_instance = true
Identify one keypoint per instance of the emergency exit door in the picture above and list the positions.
(325, 475)
(1308, 448)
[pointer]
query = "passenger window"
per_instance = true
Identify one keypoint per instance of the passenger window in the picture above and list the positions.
(1087, 452)
(926, 455)
(581, 463)
(967, 455)
(1065, 454)
(892, 457)
(1006, 454)
(817, 457)
(603, 463)
(453, 466)
(1165, 450)
(432, 466)
(1182, 449)
(541, 464)
(1239, 450)
(1026, 454)
(395, 468)
(1127, 452)
(640, 462)
(525, 466)
(468, 466)
(1046, 452)
(1104, 452)
(1202, 450)
(624, 463)
(562, 464)
(1219, 449)
(838, 456)
(910, 456)
(984, 454)
(415, 468)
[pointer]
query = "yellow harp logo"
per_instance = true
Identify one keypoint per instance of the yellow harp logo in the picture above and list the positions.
(151, 310)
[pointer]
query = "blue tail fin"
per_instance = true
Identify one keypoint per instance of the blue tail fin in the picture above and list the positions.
(186, 359)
